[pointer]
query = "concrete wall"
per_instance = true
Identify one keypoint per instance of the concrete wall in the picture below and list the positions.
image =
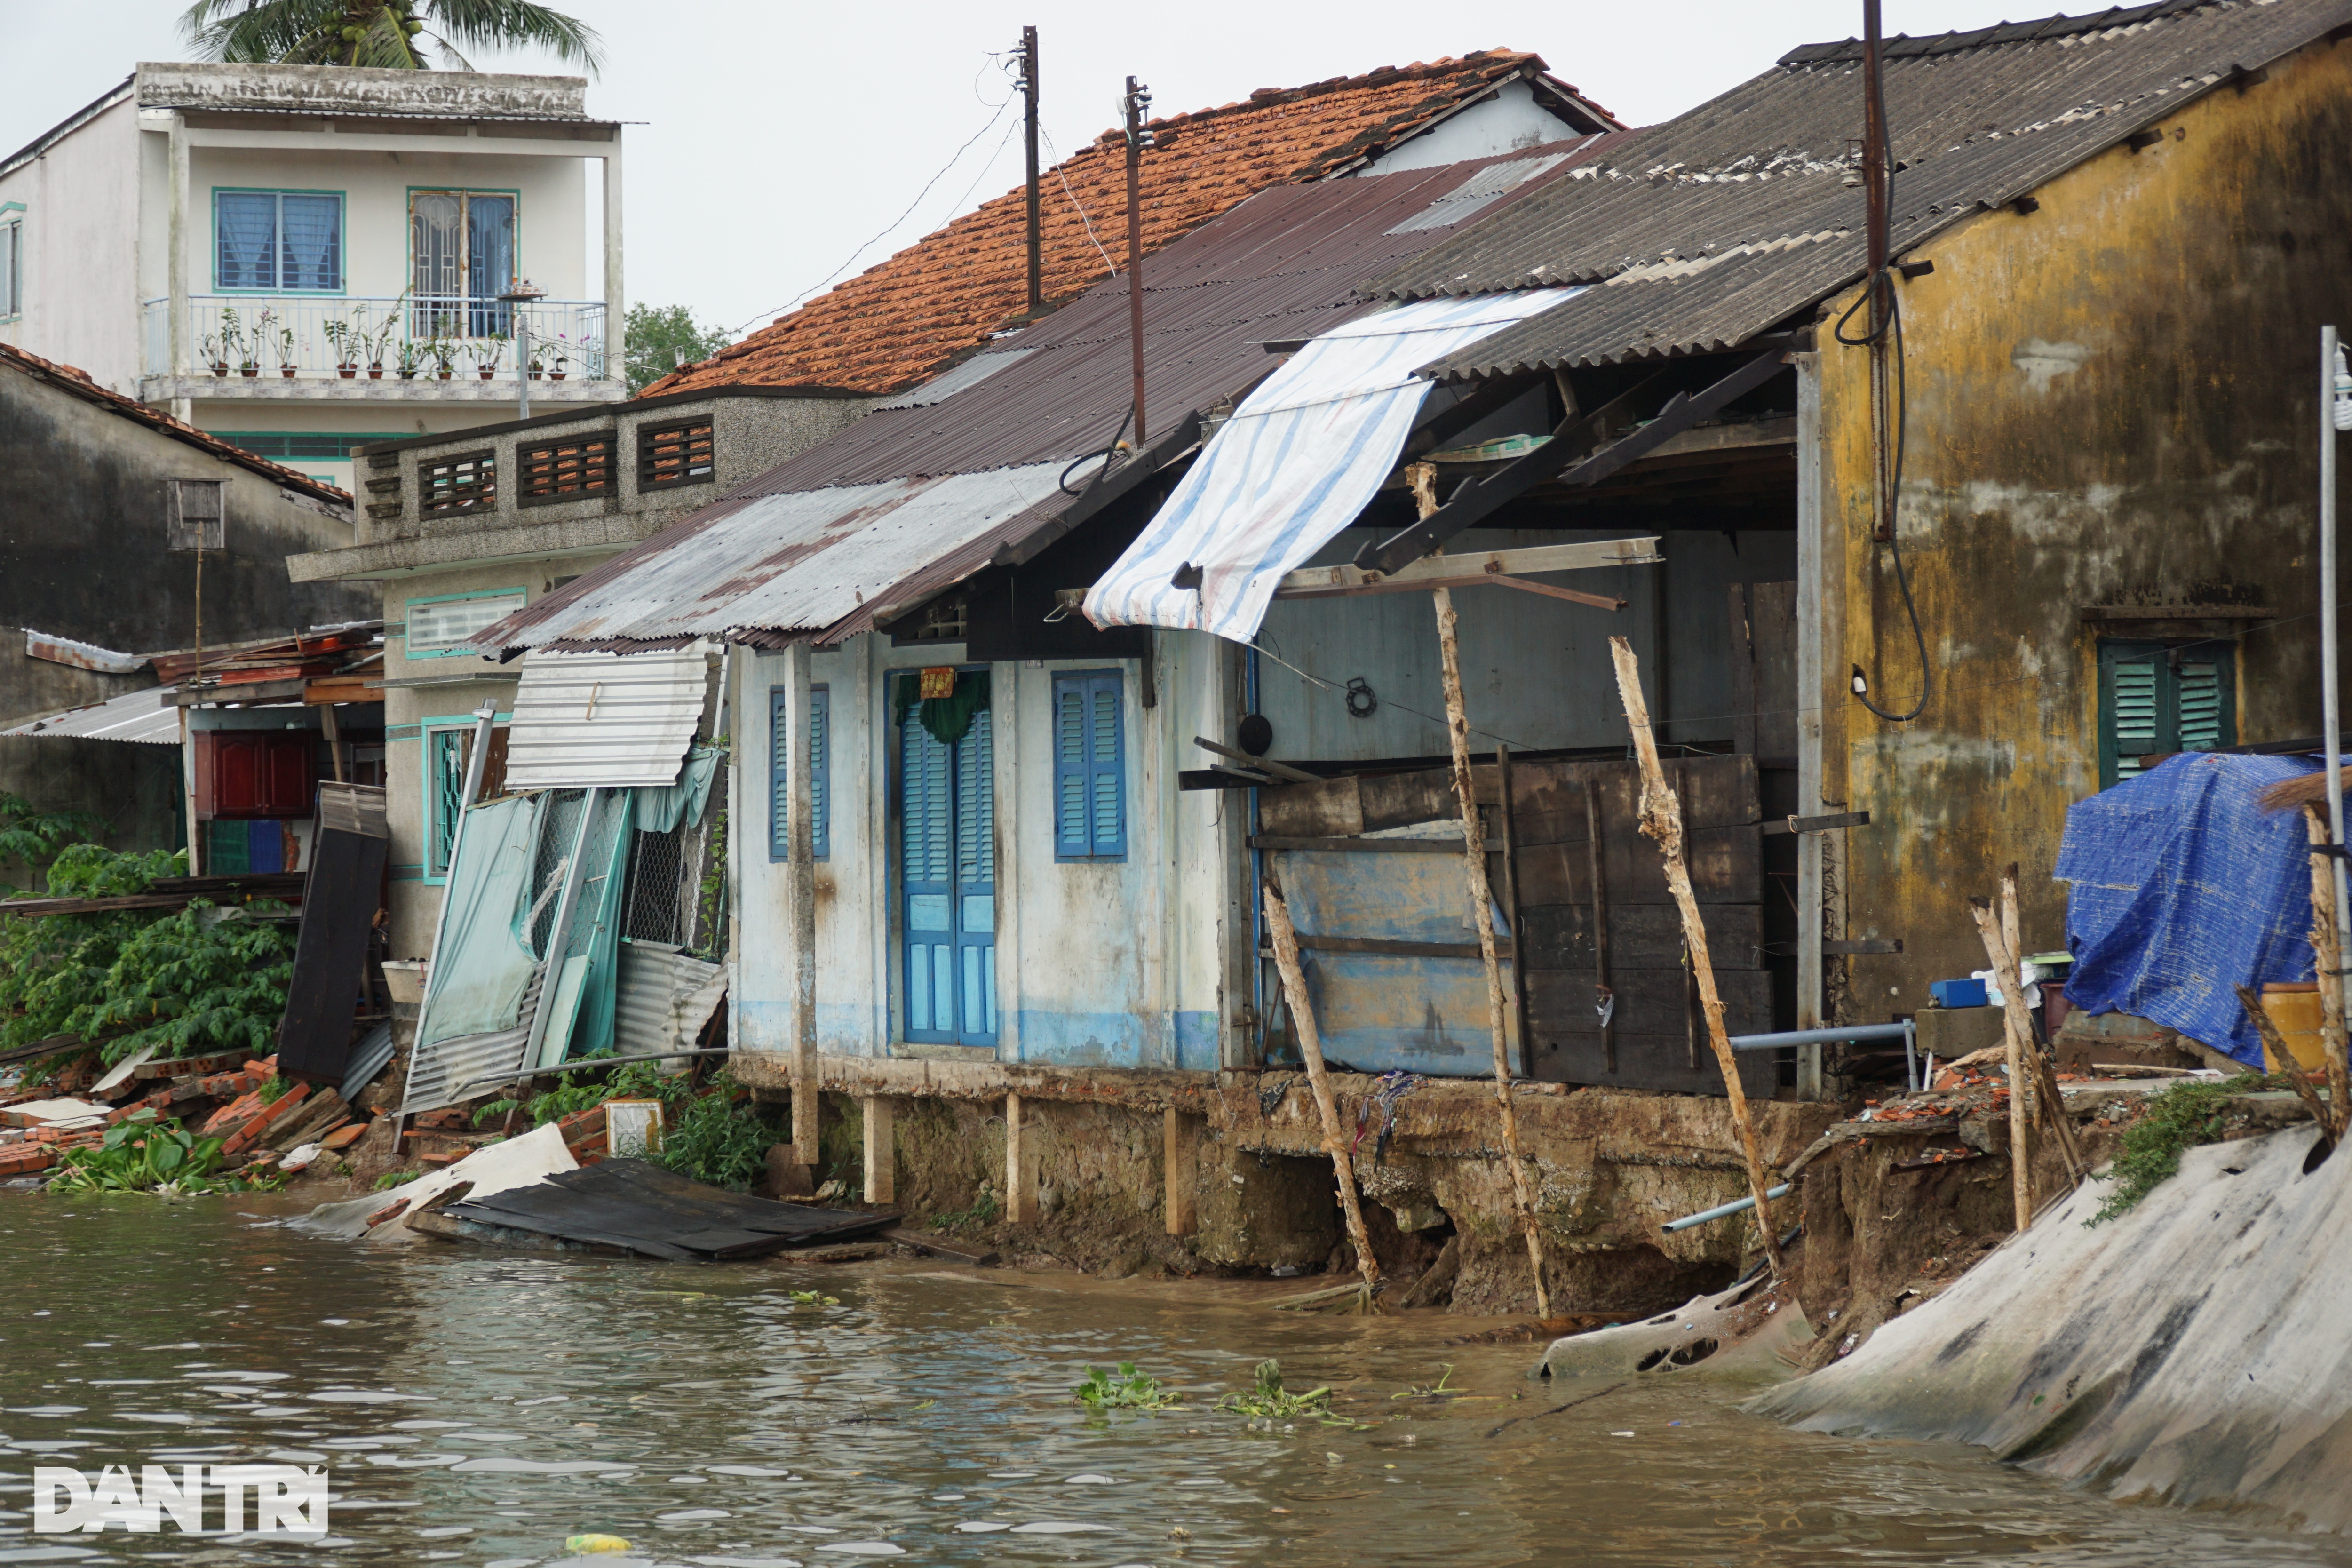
(82, 555)
(2113, 400)
(82, 249)
(1114, 965)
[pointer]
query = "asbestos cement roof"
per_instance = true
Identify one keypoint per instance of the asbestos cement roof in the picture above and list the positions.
(907, 318)
(913, 498)
(1725, 222)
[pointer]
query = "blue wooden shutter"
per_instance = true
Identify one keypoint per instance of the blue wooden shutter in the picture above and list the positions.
(925, 864)
(1089, 767)
(820, 763)
(780, 756)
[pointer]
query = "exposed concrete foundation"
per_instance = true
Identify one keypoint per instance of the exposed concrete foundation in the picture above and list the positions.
(1610, 1169)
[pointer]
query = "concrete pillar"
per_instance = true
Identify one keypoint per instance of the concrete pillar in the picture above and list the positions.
(1020, 1168)
(881, 1150)
(616, 312)
(1179, 1161)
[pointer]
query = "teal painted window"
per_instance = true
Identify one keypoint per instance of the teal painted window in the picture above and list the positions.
(439, 625)
(780, 821)
(2156, 699)
(12, 262)
(1089, 767)
(448, 743)
(278, 241)
(947, 876)
(295, 446)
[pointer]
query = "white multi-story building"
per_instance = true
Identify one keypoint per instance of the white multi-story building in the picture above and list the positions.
(304, 258)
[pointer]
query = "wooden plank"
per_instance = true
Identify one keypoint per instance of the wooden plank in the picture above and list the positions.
(1640, 936)
(1467, 570)
(1742, 658)
(1772, 633)
(314, 1037)
(1392, 947)
(1649, 1001)
(937, 1245)
(1331, 810)
(1656, 1062)
(1727, 867)
(1404, 800)
(1364, 846)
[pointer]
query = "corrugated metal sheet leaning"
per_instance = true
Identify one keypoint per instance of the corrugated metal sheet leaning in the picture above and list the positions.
(598, 719)
(1301, 456)
(665, 997)
(139, 716)
(812, 547)
(1723, 223)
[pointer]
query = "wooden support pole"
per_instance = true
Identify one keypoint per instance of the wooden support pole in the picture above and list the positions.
(881, 1148)
(2050, 1102)
(2275, 1043)
(1310, 1046)
(2328, 965)
(1019, 1169)
(1424, 479)
(1662, 820)
(1179, 1172)
(2020, 1042)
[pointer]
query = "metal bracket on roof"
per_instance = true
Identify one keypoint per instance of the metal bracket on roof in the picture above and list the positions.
(1579, 453)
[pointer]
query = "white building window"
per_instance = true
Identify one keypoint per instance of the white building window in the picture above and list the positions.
(438, 624)
(12, 264)
(279, 240)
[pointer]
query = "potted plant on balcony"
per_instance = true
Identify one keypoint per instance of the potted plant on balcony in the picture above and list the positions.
(543, 354)
(377, 340)
(235, 343)
(563, 357)
(215, 359)
(445, 356)
(486, 351)
(346, 338)
(409, 355)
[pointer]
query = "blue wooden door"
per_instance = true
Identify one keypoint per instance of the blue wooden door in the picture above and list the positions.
(947, 864)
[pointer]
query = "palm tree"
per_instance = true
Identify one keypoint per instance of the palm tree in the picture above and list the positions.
(384, 33)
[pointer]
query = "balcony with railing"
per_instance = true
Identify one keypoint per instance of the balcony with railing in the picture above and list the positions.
(408, 346)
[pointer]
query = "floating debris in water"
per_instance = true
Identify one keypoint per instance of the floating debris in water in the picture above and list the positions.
(584, 1545)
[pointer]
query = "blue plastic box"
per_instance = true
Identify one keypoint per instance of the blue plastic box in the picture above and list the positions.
(1959, 994)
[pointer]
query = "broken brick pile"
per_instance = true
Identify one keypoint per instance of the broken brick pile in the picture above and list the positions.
(219, 1095)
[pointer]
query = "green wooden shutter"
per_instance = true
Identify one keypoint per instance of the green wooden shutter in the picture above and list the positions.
(2156, 700)
(2200, 703)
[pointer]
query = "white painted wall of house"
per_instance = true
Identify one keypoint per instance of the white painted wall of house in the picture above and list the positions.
(1508, 122)
(81, 252)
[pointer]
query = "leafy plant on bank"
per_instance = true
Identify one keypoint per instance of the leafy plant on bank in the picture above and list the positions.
(716, 1138)
(984, 1210)
(1126, 1389)
(2171, 1122)
(141, 1154)
(30, 837)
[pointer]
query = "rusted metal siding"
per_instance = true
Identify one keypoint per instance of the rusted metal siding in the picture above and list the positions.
(2112, 402)
(1718, 224)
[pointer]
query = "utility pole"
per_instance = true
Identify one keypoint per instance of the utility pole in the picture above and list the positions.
(1875, 174)
(1137, 100)
(1029, 97)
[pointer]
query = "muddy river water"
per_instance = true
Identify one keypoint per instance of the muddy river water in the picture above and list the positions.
(476, 1409)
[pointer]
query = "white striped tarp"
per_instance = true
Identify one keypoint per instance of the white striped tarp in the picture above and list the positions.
(1298, 460)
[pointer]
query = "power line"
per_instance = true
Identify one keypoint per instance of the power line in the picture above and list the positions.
(1073, 195)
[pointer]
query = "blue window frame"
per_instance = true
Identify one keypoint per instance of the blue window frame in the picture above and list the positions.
(1089, 766)
(947, 875)
(780, 804)
(278, 242)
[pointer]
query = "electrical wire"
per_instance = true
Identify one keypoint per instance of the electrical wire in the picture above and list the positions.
(1075, 206)
(894, 223)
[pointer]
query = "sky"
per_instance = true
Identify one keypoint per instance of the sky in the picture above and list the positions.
(779, 140)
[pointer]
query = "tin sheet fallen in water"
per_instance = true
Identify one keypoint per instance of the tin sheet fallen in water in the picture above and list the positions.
(641, 1206)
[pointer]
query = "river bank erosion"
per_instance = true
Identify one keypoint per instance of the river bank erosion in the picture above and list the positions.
(477, 1407)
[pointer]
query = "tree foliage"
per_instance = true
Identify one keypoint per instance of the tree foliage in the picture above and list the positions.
(663, 337)
(384, 34)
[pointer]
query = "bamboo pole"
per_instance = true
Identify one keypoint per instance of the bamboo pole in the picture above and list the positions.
(2328, 962)
(2050, 1103)
(2018, 1042)
(1423, 477)
(2276, 1043)
(1310, 1046)
(1662, 820)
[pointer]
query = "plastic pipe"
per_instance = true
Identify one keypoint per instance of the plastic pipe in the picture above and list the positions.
(1722, 1211)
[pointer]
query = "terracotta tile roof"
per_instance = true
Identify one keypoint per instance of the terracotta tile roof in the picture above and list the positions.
(75, 382)
(902, 321)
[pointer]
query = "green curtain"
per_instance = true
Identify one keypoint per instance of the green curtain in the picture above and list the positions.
(483, 967)
(948, 719)
(663, 809)
(593, 1030)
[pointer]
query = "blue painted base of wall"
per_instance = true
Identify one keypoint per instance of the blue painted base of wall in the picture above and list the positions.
(1064, 1039)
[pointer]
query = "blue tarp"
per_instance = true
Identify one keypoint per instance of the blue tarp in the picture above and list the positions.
(2183, 888)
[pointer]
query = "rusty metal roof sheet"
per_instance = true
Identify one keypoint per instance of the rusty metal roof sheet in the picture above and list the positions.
(912, 499)
(1718, 225)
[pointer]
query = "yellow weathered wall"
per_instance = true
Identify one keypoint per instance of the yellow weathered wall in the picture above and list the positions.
(2112, 399)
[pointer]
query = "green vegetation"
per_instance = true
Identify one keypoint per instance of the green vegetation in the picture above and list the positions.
(385, 34)
(190, 982)
(396, 1178)
(2171, 1122)
(141, 1154)
(274, 1090)
(716, 1137)
(663, 337)
(1269, 1401)
(811, 1298)
(984, 1212)
(1128, 1390)
(1443, 1385)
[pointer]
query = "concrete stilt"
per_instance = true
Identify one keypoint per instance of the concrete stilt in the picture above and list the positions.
(881, 1150)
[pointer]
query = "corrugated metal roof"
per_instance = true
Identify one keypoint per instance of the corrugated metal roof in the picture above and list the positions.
(139, 716)
(907, 502)
(589, 719)
(1722, 222)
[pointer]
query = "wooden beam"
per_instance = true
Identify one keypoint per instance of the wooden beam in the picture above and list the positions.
(881, 1148)
(1263, 765)
(1467, 571)
(1390, 947)
(1179, 1172)
(1365, 846)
